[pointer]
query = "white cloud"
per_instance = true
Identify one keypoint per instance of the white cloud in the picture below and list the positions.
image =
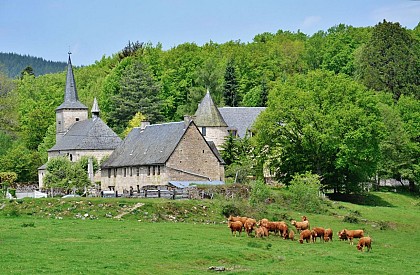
(310, 21)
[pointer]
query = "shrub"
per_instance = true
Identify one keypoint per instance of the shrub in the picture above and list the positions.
(230, 209)
(304, 189)
(260, 192)
(351, 219)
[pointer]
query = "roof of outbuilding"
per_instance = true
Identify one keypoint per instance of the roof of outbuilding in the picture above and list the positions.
(90, 134)
(207, 113)
(151, 145)
(240, 118)
(71, 99)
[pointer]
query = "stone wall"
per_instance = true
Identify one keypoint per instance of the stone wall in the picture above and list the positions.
(65, 118)
(193, 159)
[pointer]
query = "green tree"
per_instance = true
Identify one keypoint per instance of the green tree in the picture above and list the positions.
(22, 161)
(66, 175)
(390, 61)
(323, 123)
(134, 122)
(230, 92)
(8, 102)
(138, 93)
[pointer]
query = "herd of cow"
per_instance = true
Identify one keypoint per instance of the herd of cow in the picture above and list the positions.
(263, 228)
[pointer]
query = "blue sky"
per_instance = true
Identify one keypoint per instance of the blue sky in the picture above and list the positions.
(93, 28)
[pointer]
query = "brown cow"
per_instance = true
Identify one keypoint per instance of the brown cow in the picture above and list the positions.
(351, 234)
(365, 242)
(328, 234)
(276, 227)
(235, 227)
(237, 218)
(318, 232)
(300, 225)
(289, 235)
(342, 236)
(305, 235)
(261, 232)
(249, 225)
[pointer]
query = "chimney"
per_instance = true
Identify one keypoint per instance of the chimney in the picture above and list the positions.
(143, 124)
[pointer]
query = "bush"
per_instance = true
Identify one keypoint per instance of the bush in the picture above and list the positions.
(260, 193)
(230, 209)
(304, 189)
(351, 219)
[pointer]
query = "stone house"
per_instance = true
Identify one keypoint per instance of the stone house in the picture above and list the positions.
(216, 124)
(76, 134)
(162, 154)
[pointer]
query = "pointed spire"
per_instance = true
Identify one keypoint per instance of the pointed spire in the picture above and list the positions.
(95, 109)
(71, 99)
(207, 113)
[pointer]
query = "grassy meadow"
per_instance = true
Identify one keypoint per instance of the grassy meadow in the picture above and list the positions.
(81, 236)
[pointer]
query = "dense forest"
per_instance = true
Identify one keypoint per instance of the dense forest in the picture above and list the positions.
(343, 103)
(13, 65)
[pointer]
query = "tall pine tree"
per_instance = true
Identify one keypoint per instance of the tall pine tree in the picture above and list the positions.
(138, 93)
(389, 61)
(230, 92)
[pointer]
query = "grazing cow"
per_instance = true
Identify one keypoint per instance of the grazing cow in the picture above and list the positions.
(237, 218)
(289, 235)
(300, 225)
(364, 242)
(261, 232)
(318, 232)
(249, 225)
(305, 235)
(351, 234)
(342, 236)
(272, 226)
(235, 227)
(328, 234)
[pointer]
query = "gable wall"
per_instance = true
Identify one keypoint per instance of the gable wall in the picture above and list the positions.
(193, 159)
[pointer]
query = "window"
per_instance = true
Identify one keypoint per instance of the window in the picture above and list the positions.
(77, 119)
(203, 131)
(138, 171)
(131, 171)
(125, 171)
(158, 170)
(115, 172)
(71, 157)
(154, 171)
(148, 170)
(109, 173)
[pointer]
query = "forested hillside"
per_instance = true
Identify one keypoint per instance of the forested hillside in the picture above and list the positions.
(13, 65)
(342, 104)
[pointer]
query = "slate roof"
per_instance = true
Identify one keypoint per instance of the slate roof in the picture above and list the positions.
(90, 134)
(71, 99)
(207, 113)
(240, 118)
(150, 146)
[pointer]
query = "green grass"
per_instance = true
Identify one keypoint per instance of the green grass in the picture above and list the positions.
(54, 237)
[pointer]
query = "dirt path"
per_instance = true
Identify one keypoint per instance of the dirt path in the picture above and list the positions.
(137, 205)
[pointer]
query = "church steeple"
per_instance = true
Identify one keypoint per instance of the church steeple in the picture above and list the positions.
(95, 109)
(72, 110)
(71, 99)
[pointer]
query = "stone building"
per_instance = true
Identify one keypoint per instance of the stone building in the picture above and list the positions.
(161, 154)
(76, 134)
(216, 124)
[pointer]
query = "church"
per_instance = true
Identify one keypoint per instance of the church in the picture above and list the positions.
(77, 135)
